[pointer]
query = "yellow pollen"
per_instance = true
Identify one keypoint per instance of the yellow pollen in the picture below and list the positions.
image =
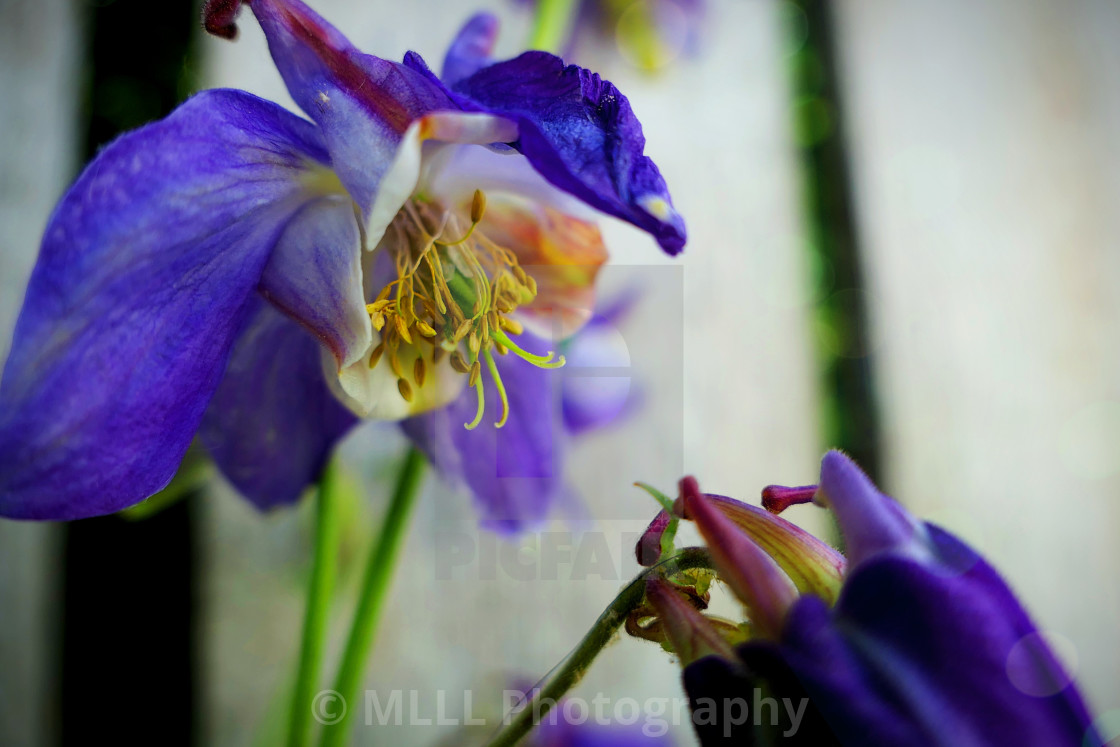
(459, 363)
(394, 360)
(375, 356)
(478, 206)
(402, 329)
(454, 289)
(463, 330)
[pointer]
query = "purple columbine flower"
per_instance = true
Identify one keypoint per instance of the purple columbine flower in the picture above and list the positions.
(911, 640)
(239, 272)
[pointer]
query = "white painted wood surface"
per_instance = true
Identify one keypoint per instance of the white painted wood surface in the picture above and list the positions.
(39, 57)
(987, 167)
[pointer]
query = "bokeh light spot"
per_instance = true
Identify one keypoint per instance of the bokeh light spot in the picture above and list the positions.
(1032, 672)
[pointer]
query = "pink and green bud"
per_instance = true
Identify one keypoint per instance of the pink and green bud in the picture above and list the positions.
(914, 640)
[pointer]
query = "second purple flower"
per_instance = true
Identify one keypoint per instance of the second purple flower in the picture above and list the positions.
(911, 639)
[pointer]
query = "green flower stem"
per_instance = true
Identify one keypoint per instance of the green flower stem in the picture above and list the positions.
(327, 534)
(375, 585)
(572, 669)
(551, 24)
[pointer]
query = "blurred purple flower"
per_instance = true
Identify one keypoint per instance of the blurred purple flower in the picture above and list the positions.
(591, 734)
(650, 34)
(924, 644)
(578, 723)
(597, 389)
(262, 280)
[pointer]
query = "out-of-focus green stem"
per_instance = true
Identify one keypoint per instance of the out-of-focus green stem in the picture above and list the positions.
(849, 413)
(551, 24)
(572, 669)
(315, 618)
(375, 586)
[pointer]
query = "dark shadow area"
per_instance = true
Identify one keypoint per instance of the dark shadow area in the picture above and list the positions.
(850, 416)
(128, 664)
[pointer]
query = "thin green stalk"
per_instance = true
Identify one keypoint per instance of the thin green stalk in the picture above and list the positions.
(551, 24)
(375, 585)
(572, 669)
(320, 588)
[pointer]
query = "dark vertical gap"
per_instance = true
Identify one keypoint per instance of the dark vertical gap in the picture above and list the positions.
(128, 661)
(850, 417)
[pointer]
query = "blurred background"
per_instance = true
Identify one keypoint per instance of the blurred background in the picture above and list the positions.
(903, 241)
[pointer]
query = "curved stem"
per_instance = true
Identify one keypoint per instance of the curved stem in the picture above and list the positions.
(572, 669)
(319, 591)
(375, 585)
(551, 24)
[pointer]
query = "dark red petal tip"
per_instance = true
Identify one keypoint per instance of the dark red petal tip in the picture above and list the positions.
(219, 17)
(688, 488)
(648, 549)
(776, 498)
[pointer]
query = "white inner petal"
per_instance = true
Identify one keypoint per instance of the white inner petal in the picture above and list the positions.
(373, 393)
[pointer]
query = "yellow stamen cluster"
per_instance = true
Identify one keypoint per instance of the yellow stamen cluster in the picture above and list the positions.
(453, 295)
